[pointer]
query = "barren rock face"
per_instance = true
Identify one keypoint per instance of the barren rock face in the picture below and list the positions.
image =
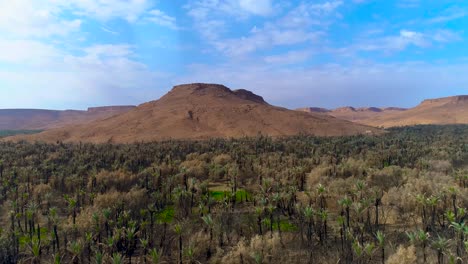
(447, 100)
(441, 111)
(202, 111)
(248, 95)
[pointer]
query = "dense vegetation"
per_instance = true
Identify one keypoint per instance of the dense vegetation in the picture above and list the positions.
(397, 198)
(8, 133)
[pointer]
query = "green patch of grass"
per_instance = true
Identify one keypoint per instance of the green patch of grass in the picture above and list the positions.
(219, 195)
(25, 239)
(285, 226)
(241, 195)
(166, 215)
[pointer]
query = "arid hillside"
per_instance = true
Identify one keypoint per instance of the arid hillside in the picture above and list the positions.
(201, 111)
(38, 119)
(354, 114)
(442, 111)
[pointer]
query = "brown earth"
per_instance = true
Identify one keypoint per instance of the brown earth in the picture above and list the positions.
(38, 119)
(359, 115)
(442, 111)
(201, 111)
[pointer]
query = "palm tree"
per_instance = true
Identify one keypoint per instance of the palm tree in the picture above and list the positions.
(441, 245)
(419, 237)
(76, 249)
(54, 218)
(208, 220)
(323, 215)
(309, 217)
(155, 256)
(117, 259)
(35, 251)
(72, 206)
(381, 240)
(107, 215)
(321, 192)
(422, 201)
(453, 191)
(432, 202)
(178, 231)
(346, 203)
(460, 230)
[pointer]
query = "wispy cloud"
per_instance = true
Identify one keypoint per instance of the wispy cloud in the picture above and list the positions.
(257, 7)
(105, 29)
(162, 19)
(130, 10)
(301, 24)
(291, 57)
(405, 39)
(451, 15)
(26, 18)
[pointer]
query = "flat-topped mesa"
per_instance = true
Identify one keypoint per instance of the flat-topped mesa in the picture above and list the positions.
(199, 87)
(446, 100)
(216, 90)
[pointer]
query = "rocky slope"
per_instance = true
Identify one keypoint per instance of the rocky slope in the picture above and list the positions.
(354, 114)
(38, 119)
(442, 111)
(201, 111)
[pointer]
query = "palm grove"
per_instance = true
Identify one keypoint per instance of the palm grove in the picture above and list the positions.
(397, 198)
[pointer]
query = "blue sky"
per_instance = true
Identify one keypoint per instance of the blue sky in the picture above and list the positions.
(63, 54)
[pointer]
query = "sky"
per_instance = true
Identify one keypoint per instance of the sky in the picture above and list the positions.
(72, 54)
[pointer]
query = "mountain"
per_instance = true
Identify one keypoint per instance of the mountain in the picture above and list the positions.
(38, 119)
(448, 110)
(201, 111)
(359, 115)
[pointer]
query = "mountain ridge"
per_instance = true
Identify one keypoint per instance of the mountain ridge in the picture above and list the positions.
(41, 119)
(203, 111)
(445, 110)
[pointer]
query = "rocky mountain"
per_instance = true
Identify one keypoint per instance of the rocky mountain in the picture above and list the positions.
(354, 114)
(38, 119)
(201, 111)
(441, 111)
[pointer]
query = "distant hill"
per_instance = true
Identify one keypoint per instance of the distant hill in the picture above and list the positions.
(201, 111)
(38, 119)
(442, 111)
(354, 114)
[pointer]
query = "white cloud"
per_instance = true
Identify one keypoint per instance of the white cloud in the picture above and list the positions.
(105, 74)
(290, 57)
(26, 18)
(131, 10)
(27, 52)
(302, 24)
(326, 7)
(45, 18)
(265, 38)
(405, 39)
(257, 7)
(449, 15)
(162, 19)
(42, 64)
